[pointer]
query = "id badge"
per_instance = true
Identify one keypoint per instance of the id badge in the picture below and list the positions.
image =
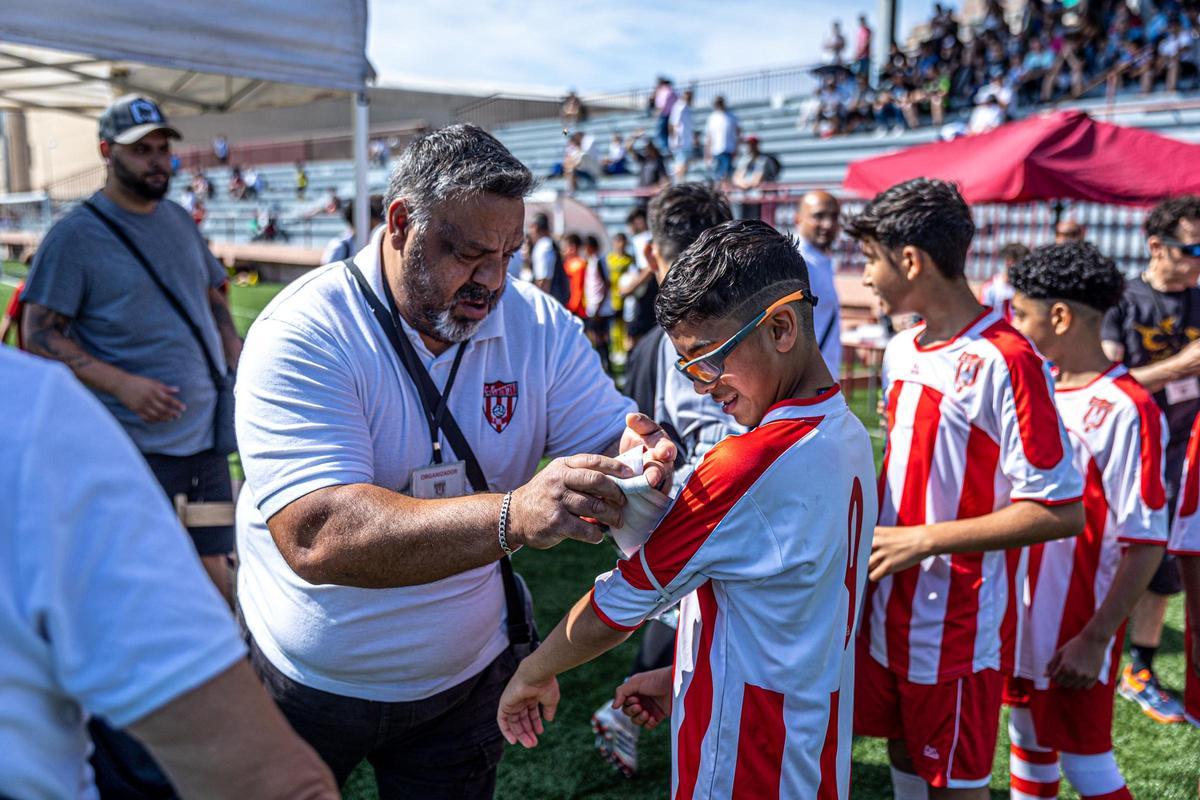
(1182, 390)
(435, 481)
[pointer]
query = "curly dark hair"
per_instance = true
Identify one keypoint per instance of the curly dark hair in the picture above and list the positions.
(1075, 271)
(925, 213)
(679, 215)
(728, 271)
(1163, 219)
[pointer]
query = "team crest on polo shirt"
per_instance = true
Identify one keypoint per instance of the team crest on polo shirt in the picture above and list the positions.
(967, 372)
(499, 403)
(1097, 412)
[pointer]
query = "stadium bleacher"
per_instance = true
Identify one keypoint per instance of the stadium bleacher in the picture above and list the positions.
(807, 161)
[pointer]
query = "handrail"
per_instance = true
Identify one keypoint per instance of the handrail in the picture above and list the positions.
(736, 87)
(81, 184)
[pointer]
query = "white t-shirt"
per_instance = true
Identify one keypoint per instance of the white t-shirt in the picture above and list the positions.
(322, 400)
(681, 127)
(543, 259)
(104, 607)
(721, 132)
(827, 316)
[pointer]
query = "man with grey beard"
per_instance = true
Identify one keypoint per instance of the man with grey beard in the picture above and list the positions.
(392, 413)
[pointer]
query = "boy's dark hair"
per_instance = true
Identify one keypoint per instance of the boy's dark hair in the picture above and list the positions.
(573, 240)
(632, 215)
(679, 214)
(729, 270)
(1163, 219)
(541, 222)
(1013, 252)
(592, 243)
(925, 213)
(1075, 271)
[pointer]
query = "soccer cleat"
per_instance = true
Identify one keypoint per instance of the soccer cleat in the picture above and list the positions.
(1142, 688)
(616, 738)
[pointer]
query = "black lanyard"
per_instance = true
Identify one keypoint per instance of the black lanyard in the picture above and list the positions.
(435, 412)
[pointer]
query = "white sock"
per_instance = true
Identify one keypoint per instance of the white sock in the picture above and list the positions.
(1033, 769)
(1094, 776)
(907, 786)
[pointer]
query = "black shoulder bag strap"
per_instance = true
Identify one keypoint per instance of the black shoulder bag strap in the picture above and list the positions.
(218, 377)
(520, 627)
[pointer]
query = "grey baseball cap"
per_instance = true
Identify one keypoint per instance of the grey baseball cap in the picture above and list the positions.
(131, 117)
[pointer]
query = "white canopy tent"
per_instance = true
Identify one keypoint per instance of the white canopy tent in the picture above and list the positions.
(191, 56)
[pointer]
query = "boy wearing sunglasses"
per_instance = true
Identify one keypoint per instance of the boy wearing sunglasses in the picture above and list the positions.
(977, 466)
(1154, 331)
(764, 543)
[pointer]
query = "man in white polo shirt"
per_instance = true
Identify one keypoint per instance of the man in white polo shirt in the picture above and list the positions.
(372, 579)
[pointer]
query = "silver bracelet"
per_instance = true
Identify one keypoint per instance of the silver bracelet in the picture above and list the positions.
(504, 525)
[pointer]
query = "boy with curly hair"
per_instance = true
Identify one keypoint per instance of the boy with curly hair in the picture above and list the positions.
(1080, 590)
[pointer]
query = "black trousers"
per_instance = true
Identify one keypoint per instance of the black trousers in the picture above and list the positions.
(444, 746)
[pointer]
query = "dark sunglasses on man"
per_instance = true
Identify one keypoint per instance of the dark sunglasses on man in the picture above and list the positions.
(1189, 250)
(707, 368)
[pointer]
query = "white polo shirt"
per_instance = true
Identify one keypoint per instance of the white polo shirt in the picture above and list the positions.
(104, 607)
(323, 400)
(827, 316)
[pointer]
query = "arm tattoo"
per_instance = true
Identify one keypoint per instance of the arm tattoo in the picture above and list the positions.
(45, 332)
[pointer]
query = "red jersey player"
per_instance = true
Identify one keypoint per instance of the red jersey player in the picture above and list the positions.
(1185, 545)
(763, 544)
(977, 465)
(1081, 589)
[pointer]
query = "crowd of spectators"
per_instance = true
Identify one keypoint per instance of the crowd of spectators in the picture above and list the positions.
(1002, 61)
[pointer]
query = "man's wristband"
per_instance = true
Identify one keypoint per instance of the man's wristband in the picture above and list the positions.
(504, 505)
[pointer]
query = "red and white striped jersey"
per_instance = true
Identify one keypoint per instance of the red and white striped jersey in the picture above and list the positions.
(997, 293)
(971, 427)
(1185, 531)
(764, 544)
(1117, 436)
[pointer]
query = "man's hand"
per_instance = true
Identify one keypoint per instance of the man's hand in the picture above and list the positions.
(895, 549)
(646, 697)
(1077, 663)
(549, 508)
(150, 400)
(522, 706)
(659, 464)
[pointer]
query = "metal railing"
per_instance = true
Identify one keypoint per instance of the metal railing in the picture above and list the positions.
(736, 88)
(328, 146)
(740, 87)
(505, 109)
(78, 186)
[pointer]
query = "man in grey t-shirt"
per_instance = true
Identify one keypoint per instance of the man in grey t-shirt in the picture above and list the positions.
(92, 306)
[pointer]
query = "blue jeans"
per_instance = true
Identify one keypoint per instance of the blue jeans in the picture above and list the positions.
(722, 166)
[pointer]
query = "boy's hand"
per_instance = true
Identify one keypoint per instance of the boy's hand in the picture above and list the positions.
(646, 697)
(895, 549)
(522, 706)
(659, 463)
(1077, 663)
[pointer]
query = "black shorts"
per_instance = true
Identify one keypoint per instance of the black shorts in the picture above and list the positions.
(1167, 580)
(204, 478)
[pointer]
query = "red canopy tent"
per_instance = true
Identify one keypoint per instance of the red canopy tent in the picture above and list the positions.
(1059, 155)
